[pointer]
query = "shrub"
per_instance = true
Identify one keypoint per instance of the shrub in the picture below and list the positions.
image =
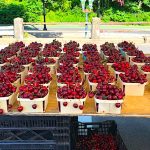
(122, 16)
(11, 11)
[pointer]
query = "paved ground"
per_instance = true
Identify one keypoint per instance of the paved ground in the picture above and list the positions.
(68, 30)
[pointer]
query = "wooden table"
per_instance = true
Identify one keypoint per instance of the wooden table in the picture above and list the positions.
(133, 106)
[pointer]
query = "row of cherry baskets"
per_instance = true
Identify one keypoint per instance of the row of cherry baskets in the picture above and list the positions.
(111, 73)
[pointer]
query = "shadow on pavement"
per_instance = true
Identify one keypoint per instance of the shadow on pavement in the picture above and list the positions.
(41, 34)
(47, 34)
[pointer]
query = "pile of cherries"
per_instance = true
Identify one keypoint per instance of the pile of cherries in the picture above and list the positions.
(132, 75)
(100, 77)
(33, 91)
(21, 60)
(89, 47)
(68, 59)
(10, 77)
(127, 46)
(97, 142)
(108, 92)
(121, 66)
(13, 68)
(71, 46)
(71, 92)
(107, 46)
(39, 69)
(3, 60)
(38, 78)
(29, 52)
(70, 77)
(116, 57)
(146, 68)
(64, 69)
(45, 61)
(133, 52)
(6, 89)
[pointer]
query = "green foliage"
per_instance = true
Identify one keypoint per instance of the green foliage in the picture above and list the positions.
(11, 11)
(33, 9)
(70, 11)
(74, 15)
(122, 16)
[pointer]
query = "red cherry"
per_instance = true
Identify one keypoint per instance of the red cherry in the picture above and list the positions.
(91, 94)
(81, 107)
(34, 106)
(31, 97)
(65, 104)
(20, 108)
(118, 105)
(1, 111)
(75, 105)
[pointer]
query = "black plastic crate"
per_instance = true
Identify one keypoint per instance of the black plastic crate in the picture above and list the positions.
(103, 128)
(13, 139)
(59, 128)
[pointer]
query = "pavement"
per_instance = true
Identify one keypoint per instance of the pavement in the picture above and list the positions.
(70, 30)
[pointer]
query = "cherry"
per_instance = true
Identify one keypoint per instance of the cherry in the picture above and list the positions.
(1, 111)
(65, 104)
(91, 94)
(20, 108)
(81, 107)
(34, 106)
(75, 105)
(118, 105)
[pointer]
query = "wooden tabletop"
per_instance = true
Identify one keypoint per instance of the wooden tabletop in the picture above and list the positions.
(133, 106)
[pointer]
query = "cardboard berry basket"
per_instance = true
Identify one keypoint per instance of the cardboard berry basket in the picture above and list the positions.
(35, 58)
(103, 55)
(108, 106)
(116, 74)
(109, 65)
(5, 101)
(52, 68)
(86, 75)
(27, 104)
(74, 65)
(17, 84)
(27, 67)
(70, 109)
(1, 65)
(132, 89)
(23, 74)
(55, 58)
(147, 75)
(138, 64)
(129, 58)
(94, 85)
(64, 84)
(45, 84)
(11, 57)
(58, 74)
(18, 52)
